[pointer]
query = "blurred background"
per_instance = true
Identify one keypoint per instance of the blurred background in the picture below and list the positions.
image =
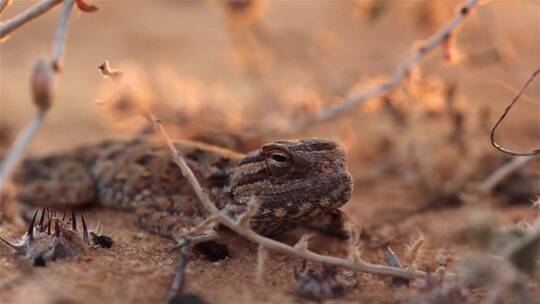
(224, 71)
(232, 64)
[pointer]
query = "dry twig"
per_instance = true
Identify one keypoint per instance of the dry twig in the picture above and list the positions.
(388, 86)
(502, 172)
(521, 157)
(506, 111)
(179, 277)
(261, 259)
(61, 32)
(30, 14)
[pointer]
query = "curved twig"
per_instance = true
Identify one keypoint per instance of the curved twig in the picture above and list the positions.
(506, 111)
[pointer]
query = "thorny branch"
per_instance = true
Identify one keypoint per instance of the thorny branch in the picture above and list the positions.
(444, 34)
(30, 14)
(506, 111)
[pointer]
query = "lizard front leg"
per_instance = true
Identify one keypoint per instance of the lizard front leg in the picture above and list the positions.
(170, 216)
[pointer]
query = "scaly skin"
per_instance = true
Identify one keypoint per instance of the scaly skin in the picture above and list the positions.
(293, 182)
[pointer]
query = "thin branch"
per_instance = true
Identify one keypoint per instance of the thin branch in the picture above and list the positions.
(502, 172)
(41, 88)
(506, 111)
(61, 32)
(388, 86)
(261, 259)
(14, 155)
(33, 12)
(179, 277)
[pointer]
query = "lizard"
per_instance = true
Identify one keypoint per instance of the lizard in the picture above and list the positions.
(293, 181)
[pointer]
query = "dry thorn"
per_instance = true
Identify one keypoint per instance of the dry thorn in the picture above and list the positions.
(414, 249)
(205, 225)
(303, 244)
(391, 258)
(245, 218)
(262, 254)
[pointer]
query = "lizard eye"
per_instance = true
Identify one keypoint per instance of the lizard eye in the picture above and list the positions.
(279, 157)
(278, 162)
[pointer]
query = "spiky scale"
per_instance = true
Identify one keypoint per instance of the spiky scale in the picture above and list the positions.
(30, 232)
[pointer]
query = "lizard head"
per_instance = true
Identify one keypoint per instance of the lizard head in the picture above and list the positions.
(291, 181)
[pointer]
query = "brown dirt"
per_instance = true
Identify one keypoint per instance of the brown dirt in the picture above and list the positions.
(191, 39)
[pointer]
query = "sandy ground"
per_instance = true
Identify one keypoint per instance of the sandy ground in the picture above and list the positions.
(191, 39)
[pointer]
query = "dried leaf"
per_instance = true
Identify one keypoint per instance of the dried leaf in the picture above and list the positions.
(107, 71)
(85, 7)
